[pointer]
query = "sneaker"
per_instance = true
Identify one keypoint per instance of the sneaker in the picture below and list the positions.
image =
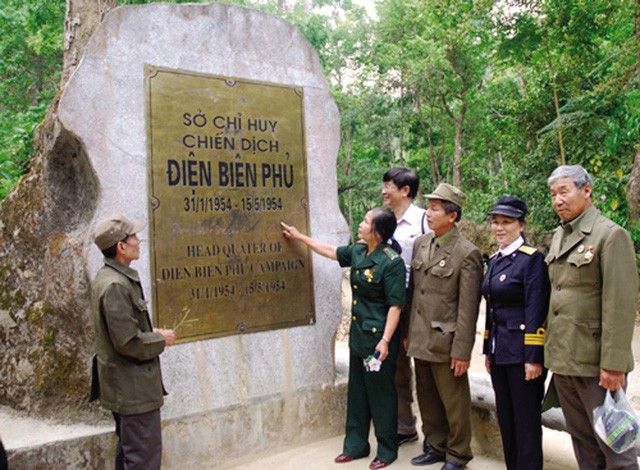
(404, 438)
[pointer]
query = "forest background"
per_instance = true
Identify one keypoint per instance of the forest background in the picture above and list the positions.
(489, 95)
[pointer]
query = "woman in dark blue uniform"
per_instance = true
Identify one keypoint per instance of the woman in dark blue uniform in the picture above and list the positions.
(516, 290)
(378, 288)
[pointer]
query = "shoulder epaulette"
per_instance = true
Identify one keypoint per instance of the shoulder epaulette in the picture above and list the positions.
(529, 250)
(390, 252)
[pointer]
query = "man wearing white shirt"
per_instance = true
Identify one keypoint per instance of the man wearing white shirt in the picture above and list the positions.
(399, 188)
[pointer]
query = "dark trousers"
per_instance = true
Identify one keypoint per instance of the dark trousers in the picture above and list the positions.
(139, 441)
(371, 396)
(578, 396)
(518, 404)
(445, 408)
(404, 387)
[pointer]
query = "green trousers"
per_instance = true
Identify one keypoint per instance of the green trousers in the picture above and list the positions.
(372, 396)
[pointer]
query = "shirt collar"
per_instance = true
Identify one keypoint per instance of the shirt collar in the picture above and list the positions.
(576, 223)
(412, 216)
(121, 268)
(444, 237)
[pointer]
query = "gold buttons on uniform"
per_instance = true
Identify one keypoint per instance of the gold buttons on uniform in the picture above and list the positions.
(357, 271)
(355, 302)
(522, 327)
(353, 318)
(374, 329)
(355, 286)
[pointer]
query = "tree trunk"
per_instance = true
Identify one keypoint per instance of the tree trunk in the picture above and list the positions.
(348, 172)
(401, 156)
(556, 102)
(434, 155)
(458, 122)
(457, 154)
(633, 188)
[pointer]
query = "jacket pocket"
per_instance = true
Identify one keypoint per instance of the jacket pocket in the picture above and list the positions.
(586, 346)
(580, 259)
(145, 383)
(416, 264)
(582, 269)
(141, 313)
(443, 333)
(515, 339)
(441, 272)
(110, 383)
(442, 283)
(141, 304)
(373, 327)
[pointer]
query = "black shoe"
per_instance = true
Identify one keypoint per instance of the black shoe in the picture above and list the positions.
(405, 438)
(428, 458)
(451, 465)
(425, 446)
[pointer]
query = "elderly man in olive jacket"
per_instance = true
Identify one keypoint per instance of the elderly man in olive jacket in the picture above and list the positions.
(592, 310)
(446, 271)
(126, 371)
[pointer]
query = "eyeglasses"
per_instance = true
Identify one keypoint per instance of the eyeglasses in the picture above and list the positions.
(126, 239)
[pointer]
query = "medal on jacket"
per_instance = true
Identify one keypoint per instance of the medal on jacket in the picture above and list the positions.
(589, 253)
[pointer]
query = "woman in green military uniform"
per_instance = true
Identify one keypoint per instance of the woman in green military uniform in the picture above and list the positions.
(378, 288)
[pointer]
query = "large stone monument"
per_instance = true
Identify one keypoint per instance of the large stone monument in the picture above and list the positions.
(211, 123)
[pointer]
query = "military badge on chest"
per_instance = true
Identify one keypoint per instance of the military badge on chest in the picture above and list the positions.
(588, 252)
(368, 273)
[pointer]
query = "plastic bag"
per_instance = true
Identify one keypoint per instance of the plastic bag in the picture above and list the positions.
(615, 422)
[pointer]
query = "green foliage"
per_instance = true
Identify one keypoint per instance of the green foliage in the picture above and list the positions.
(30, 65)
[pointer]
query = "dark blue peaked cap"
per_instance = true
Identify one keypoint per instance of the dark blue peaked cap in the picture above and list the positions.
(511, 207)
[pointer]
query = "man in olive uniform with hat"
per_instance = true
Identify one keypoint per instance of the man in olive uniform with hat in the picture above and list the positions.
(126, 368)
(446, 278)
(592, 311)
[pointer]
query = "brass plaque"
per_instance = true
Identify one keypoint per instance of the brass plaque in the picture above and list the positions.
(227, 163)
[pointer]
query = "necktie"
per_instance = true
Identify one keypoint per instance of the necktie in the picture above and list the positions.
(433, 247)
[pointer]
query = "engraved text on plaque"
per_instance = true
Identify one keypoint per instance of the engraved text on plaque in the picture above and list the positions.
(227, 163)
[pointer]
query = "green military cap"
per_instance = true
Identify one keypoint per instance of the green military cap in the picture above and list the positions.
(114, 228)
(447, 192)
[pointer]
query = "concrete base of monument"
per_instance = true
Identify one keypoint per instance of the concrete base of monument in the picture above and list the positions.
(205, 440)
